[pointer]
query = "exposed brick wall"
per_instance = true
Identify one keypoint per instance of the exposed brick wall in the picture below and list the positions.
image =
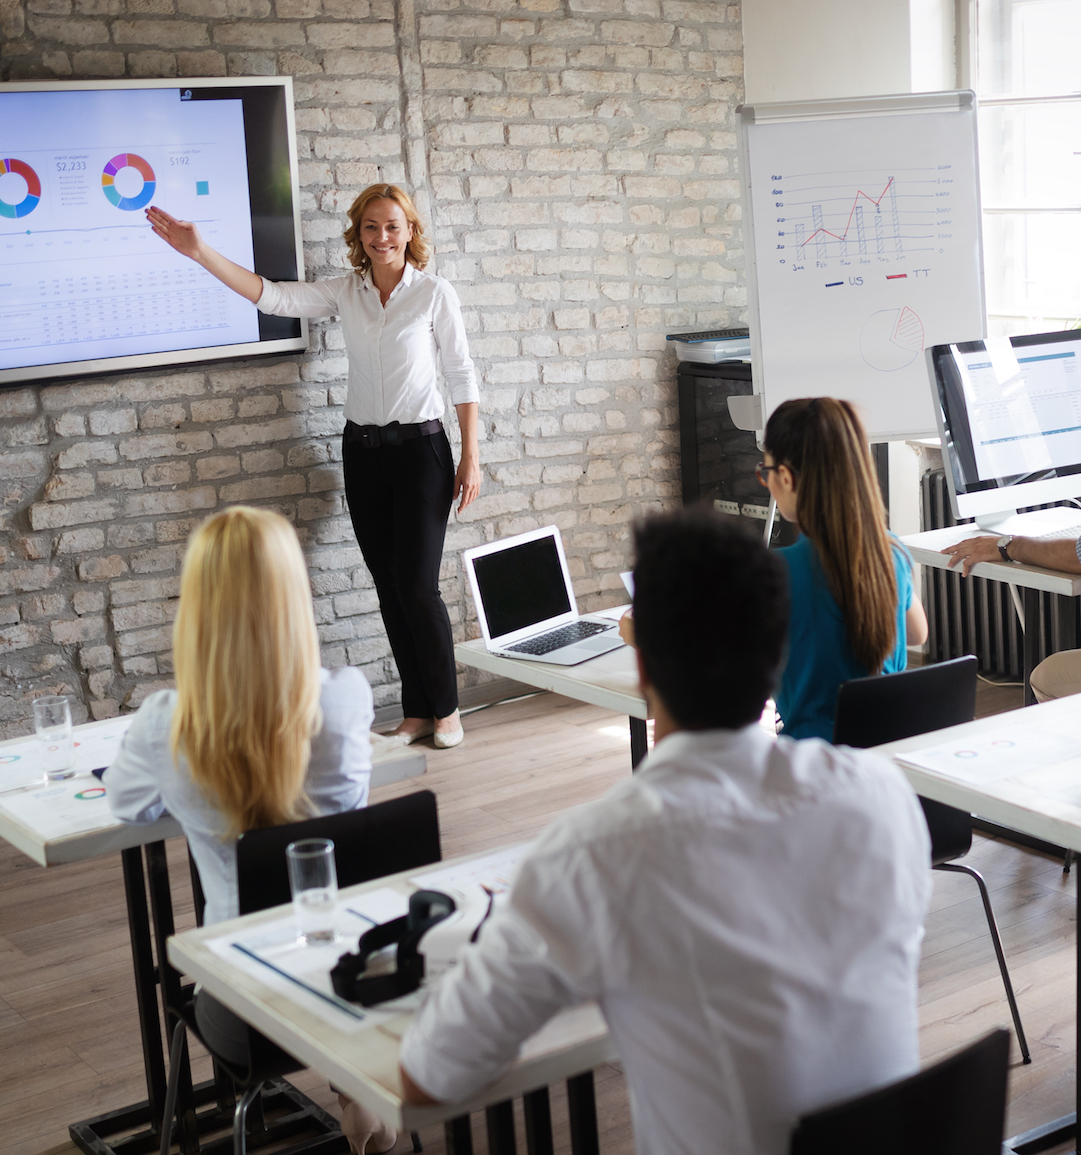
(576, 160)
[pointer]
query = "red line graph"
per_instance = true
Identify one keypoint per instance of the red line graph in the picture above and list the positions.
(851, 214)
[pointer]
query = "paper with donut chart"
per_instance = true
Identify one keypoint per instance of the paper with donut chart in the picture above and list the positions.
(57, 810)
(1010, 752)
(95, 748)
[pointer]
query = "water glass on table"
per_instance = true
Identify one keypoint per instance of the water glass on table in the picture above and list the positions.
(313, 883)
(52, 723)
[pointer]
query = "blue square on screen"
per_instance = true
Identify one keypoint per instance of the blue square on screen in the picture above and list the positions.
(202, 188)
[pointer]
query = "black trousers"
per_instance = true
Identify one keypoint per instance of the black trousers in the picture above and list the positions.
(399, 499)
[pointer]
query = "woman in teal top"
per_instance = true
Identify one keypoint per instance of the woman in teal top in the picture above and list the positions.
(853, 610)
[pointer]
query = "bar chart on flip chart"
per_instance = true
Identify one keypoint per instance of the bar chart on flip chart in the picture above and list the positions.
(864, 235)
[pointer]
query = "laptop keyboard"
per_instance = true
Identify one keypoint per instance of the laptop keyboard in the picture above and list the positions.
(557, 639)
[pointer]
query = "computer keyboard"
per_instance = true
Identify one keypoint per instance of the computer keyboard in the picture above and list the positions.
(1071, 532)
(557, 639)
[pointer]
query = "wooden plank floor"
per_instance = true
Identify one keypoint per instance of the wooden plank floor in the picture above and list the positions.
(68, 1029)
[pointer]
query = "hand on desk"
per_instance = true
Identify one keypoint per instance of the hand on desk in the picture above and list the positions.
(626, 627)
(973, 550)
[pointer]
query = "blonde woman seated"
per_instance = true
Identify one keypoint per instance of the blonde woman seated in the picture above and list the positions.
(255, 733)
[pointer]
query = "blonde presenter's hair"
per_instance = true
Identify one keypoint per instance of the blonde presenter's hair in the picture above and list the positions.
(417, 250)
(246, 656)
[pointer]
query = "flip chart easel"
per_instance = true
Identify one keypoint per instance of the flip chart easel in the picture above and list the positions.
(864, 249)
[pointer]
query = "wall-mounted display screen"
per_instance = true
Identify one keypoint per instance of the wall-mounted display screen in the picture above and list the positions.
(85, 285)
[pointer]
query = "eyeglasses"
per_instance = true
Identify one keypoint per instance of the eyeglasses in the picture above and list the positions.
(762, 472)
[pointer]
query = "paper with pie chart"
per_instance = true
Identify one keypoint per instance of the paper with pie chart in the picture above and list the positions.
(863, 226)
(84, 276)
(1010, 752)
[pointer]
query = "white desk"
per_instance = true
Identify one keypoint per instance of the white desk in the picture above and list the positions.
(926, 549)
(105, 834)
(363, 1060)
(1042, 802)
(610, 681)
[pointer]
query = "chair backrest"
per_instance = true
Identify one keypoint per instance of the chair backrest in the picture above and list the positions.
(889, 707)
(401, 834)
(956, 1107)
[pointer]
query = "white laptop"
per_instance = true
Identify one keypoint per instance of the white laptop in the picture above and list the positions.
(525, 602)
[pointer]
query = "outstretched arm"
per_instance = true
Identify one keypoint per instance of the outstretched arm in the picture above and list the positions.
(184, 237)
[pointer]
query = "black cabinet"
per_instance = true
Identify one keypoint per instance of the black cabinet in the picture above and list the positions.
(718, 459)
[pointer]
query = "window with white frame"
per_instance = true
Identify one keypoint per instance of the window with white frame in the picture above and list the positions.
(1028, 78)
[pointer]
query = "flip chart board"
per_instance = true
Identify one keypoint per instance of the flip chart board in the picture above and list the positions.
(864, 249)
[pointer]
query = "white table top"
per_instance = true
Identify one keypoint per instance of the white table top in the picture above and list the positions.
(362, 1060)
(926, 549)
(610, 681)
(1041, 801)
(390, 763)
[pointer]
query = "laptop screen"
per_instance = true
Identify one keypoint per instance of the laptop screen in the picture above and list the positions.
(521, 586)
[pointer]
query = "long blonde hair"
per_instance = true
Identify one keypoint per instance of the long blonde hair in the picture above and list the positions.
(417, 250)
(839, 507)
(246, 657)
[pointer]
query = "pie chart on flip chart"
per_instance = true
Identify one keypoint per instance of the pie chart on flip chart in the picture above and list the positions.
(128, 182)
(20, 188)
(891, 339)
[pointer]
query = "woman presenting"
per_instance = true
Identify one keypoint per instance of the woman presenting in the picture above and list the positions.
(400, 480)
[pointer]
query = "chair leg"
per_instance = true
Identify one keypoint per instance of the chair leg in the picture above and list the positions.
(240, 1119)
(992, 926)
(176, 1057)
(417, 1144)
(1067, 862)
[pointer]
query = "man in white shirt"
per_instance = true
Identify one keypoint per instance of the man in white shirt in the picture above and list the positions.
(1059, 675)
(747, 911)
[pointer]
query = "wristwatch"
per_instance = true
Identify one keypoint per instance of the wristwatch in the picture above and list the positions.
(1003, 544)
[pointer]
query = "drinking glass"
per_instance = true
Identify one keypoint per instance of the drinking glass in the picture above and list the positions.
(313, 883)
(52, 722)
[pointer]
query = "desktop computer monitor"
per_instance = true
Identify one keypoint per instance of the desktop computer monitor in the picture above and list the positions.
(1009, 412)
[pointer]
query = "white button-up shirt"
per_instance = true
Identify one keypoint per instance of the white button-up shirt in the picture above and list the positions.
(748, 914)
(391, 350)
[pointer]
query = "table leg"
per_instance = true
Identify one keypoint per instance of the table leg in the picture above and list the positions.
(1032, 641)
(92, 1135)
(538, 1122)
(639, 741)
(146, 993)
(458, 1135)
(500, 1118)
(582, 1107)
(172, 997)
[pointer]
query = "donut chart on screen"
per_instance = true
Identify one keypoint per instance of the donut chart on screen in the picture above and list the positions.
(33, 189)
(108, 175)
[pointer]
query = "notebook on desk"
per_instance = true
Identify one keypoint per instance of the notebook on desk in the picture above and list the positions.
(525, 602)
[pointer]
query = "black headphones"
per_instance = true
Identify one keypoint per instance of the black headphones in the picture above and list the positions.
(426, 908)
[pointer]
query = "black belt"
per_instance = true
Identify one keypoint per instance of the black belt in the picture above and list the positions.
(372, 436)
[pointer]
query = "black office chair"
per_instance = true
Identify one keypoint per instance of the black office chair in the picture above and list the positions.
(402, 834)
(889, 707)
(956, 1107)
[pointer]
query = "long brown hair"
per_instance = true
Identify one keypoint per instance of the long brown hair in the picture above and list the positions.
(417, 250)
(246, 656)
(839, 507)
